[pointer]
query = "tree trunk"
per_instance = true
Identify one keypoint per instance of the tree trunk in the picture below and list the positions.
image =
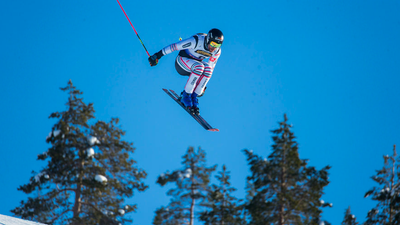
(193, 202)
(192, 209)
(77, 206)
(282, 187)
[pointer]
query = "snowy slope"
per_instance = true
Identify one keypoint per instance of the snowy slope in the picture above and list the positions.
(8, 220)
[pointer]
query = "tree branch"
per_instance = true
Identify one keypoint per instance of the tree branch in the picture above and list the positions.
(57, 217)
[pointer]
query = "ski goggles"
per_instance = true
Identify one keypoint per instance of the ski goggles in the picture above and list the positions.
(215, 44)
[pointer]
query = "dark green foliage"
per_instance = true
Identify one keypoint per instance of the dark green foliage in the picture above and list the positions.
(283, 189)
(223, 207)
(349, 219)
(66, 189)
(191, 189)
(387, 210)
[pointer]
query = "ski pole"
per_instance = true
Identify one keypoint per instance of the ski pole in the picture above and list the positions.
(134, 29)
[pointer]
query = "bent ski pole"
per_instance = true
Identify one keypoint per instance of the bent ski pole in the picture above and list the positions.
(133, 28)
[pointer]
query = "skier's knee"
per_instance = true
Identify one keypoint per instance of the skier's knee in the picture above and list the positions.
(198, 69)
(207, 71)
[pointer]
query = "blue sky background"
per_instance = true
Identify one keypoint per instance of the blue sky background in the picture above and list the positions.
(331, 66)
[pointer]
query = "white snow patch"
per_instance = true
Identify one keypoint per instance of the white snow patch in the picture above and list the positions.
(39, 175)
(322, 201)
(188, 173)
(8, 220)
(93, 140)
(101, 179)
(54, 133)
(90, 152)
(121, 212)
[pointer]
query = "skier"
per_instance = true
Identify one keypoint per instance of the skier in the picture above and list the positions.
(190, 62)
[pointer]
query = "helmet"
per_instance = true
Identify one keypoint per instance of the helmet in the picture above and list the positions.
(216, 36)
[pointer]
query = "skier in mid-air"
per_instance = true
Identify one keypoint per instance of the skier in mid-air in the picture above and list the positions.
(191, 62)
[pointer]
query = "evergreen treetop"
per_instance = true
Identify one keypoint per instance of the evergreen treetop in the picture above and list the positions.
(349, 219)
(190, 194)
(282, 188)
(223, 207)
(386, 193)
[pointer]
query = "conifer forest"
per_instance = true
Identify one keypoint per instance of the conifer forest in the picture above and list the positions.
(89, 171)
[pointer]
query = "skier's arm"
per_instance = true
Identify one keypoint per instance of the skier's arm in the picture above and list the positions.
(184, 44)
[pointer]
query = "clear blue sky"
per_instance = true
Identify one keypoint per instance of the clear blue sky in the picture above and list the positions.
(331, 66)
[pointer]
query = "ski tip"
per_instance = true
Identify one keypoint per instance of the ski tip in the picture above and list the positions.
(213, 129)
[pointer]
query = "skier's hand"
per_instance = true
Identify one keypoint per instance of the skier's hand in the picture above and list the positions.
(153, 60)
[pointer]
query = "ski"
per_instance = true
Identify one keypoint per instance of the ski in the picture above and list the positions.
(198, 118)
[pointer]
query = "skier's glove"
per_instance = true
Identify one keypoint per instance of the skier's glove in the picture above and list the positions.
(154, 58)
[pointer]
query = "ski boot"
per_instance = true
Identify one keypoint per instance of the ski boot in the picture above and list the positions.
(186, 100)
(195, 102)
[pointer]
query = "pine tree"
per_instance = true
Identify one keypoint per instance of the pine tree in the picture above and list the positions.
(191, 189)
(88, 172)
(349, 219)
(283, 189)
(386, 193)
(224, 208)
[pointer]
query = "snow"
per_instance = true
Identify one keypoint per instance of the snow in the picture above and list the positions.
(54, 133)
(121, 212)
(101, 179)
(93, 140)
(188, 173)
(90, 152)
(39, 175)
(8, 220)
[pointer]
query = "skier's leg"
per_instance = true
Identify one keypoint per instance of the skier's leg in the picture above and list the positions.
(200, 87)
(197, 71)
(194, 69)
(205, 77)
